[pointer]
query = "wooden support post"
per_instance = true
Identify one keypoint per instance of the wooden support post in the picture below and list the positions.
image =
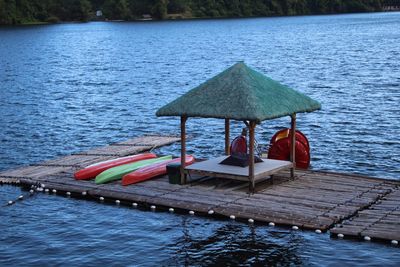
(183, 148)
(293, 144)
(227, 141)
(252, 127)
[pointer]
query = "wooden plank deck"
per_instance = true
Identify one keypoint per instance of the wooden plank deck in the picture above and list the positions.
(380, 221)
(352, 205)
(86, 158)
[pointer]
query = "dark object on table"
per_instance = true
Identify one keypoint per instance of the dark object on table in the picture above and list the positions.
(239, 159)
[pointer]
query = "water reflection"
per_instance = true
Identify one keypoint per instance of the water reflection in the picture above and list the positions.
(233, 244)
(79, 232)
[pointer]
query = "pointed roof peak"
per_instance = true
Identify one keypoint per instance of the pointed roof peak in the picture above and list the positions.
(240, 93)
(239, 65)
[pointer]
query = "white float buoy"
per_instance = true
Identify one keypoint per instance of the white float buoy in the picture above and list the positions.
(134, 204)
(117, 202)
(10, 202)
(101, 198)
(191, 212)
(294, 227)
(39, 189)
(54, 191)
(340, 235)
(84, 193)
(171, 210)
(232, 217)
(271, 224)
(318, 231)
(46, 190)
(367, 238)
(21, 197)
(42, 186)
(250, 220)
(31, 191)
(152, 207)
(394, 242)
(68, 193)
(210, 212)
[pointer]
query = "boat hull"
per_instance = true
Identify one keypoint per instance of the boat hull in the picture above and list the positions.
(116, 173)
(152, 171)
(93, 170)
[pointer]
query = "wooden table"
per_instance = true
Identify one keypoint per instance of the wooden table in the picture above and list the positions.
(212, 168)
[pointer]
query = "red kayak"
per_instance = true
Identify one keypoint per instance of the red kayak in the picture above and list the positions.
(151, 171)
(93, 170)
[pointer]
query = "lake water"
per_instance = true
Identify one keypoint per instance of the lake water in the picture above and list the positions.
(70, 87)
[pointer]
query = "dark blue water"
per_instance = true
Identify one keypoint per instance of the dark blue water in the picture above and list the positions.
(67, 88)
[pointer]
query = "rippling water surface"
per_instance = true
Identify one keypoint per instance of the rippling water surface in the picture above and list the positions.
(70, 87)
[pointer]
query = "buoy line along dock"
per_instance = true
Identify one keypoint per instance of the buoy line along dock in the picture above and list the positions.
(346, 205)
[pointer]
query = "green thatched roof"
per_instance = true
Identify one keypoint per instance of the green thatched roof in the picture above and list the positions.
(240, 93)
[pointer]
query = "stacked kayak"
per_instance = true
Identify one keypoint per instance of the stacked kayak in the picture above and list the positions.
(280, 148)
(151, 171)
(116, 173)
(93, 170)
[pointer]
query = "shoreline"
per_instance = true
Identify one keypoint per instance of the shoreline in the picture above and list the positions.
(34, 23)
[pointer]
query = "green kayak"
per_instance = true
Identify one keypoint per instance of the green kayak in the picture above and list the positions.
(116, 173)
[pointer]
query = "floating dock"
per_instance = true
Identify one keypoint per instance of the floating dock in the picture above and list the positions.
(350, 205)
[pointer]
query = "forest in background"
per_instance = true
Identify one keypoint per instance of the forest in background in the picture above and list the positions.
(52, 11)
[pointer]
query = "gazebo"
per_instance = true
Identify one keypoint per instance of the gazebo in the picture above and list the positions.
(243, 94)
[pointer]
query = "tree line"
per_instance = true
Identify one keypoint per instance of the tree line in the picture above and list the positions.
(31, 11)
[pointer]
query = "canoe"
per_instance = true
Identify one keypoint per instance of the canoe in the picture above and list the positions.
(91, 171)
(151, 171)
(116, 173)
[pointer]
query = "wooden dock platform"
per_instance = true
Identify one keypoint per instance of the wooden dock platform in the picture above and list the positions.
(354, 206)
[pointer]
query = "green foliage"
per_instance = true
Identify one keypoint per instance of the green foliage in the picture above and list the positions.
(159, 9)
(79, 10)
(177, 6)
(116, 9)
(8, 12)
(52, 19)
(26, 11)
